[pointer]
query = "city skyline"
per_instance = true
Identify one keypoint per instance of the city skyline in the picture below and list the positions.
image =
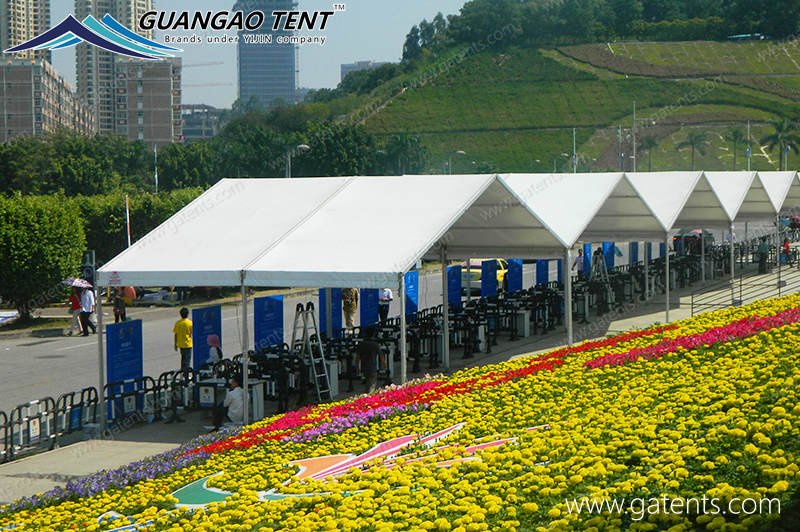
(368, 30)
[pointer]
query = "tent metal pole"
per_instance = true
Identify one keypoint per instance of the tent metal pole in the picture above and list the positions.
(646, 262)
(703, 255)
(778, 250)
(666, 274)
(101, 361)
(445, 312)
(733, 274)
(245, 358)
(567, 274)
(403, 346)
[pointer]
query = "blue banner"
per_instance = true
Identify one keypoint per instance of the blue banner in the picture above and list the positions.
(336, 312)
(514, 275)
(369, 306)
(648, 251)
(488, 278)
(124, 351)
(608, 253)
(560, 270)
(633, 252)
(542, 271)
(454, 285)
(412, 292)
(268, 321)
(205, 322)
(587, 260)
(662, 250)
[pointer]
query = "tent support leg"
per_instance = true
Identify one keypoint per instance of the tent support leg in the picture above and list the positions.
(101, 361)
(646, 262)
(567, 274)
(245, 357)
(733, 275)
(666, 274)
(403, 346)
(703, 256)
(445, 312)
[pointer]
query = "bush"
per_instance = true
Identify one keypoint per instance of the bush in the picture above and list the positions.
(41, 243)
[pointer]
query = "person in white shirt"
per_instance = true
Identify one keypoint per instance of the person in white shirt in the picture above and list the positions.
(87, 309)
(233, 406)
(383, 303)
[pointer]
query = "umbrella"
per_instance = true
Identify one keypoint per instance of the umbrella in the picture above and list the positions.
(80, 283)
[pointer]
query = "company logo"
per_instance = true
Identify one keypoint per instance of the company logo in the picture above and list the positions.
(106, 33)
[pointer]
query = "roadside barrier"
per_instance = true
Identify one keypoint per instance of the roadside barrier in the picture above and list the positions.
(74, 410)
(5, 430)
(32, 427)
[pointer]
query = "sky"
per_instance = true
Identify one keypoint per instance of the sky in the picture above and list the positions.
(367, 30)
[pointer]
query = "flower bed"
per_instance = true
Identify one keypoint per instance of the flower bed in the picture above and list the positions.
(706, 407)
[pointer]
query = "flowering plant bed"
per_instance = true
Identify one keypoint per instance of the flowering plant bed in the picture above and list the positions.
(703, 408)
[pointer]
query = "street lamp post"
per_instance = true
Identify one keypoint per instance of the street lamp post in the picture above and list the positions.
(555, 159)
(450, 160)
(289, 152)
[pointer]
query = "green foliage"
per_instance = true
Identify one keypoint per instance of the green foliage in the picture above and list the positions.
(336, 150)
(402, 154)
(41, 243)
(103, 217)
(784, 138)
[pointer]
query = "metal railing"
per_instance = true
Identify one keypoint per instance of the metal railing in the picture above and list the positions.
(748, 286)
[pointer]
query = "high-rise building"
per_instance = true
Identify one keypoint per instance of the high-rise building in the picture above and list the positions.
(94, 66)
(346, 68)
(34, 100)
(21, 21)
(267, 70)
(147, 100)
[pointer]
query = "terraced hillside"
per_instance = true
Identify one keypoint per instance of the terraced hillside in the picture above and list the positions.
(517, 108)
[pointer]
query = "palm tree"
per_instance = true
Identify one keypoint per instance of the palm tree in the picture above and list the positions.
(648, 144)
(697, 140)
(784, 138)
(736, 136)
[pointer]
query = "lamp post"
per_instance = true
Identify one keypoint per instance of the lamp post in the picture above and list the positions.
(450, 160)
(289, 152)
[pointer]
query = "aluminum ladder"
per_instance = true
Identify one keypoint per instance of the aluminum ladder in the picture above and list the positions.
(310, 349)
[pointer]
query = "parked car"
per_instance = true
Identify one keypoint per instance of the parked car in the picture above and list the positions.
(471, 279)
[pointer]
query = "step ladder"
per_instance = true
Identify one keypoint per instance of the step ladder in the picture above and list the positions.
(308, 347)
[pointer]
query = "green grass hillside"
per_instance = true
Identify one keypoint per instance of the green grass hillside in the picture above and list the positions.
(516, 108)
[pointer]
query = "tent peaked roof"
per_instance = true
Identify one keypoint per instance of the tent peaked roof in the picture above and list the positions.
(211, 240)
(777, 186)
(623, 216)
(731, 189)
(371, 233)
(665, 193)
(564, 203)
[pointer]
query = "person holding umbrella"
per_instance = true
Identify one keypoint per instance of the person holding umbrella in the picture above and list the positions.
(75, 309)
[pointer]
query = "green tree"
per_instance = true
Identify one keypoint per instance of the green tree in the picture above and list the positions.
(337, 150)
(41, 242)
(697, 141)
(736, 137)
(785, 138)
(249, 147)
(481, 19)
(648, 144)
(404, 154)
(187, 165)
(411, 48)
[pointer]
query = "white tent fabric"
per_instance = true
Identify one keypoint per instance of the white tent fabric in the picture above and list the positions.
(731, 189)
(782, 188)
(665, 193)
(381, 226)
(211, 240)
(564, 204)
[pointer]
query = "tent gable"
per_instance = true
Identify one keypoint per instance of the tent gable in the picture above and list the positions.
(665, 193)
(730, 188)
(777, 186)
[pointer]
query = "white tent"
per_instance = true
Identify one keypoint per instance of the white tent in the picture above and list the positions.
(366, 232)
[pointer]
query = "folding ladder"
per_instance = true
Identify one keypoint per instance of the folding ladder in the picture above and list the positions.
(310, 349)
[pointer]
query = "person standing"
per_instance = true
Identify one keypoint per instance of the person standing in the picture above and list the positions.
(384, 302)
(75, 309)
(120, 313)
(349, 305)
(367, 354)
(183, 338)
(763, 253)
(87, 309)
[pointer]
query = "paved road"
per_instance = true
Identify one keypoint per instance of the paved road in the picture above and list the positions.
(31, 368)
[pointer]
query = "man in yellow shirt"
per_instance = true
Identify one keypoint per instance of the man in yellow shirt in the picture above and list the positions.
(183, 338)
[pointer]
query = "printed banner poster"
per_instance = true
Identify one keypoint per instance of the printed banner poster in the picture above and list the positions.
(369, 306)
(542, 271)
(454, 285)
(268, 318)
(514, 275)
(205, 322)
(488, 278)
(336, 312)
(412, 292)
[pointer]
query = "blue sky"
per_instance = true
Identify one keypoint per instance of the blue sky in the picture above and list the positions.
(369, 29)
